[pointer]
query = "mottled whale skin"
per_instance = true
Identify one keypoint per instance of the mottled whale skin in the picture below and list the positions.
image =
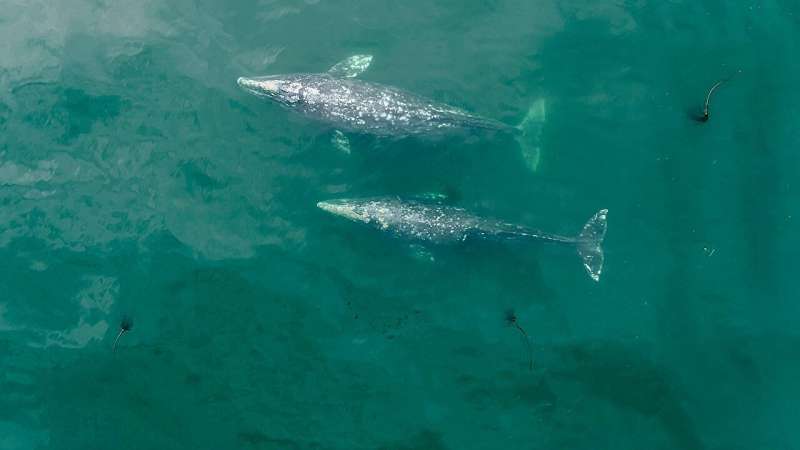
(443, 224)
(355, 105)
(348, 104)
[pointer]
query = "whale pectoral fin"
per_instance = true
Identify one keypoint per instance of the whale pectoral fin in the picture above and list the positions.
(421, 253)
(529, 134)
(473, 235)
(445, 196)
(340, 142)
(432, 197)
(351, 67)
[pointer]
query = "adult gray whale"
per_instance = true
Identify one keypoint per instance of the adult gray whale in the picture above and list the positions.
(442, 224)
(336, 97)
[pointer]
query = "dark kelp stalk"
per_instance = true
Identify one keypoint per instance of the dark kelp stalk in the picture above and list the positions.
(125, 325)
(511, 320)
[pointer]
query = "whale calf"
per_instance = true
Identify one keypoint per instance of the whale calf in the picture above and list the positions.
(338, 98)
(442, 224)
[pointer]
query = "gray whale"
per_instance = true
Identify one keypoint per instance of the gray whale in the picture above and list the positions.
(360, 106)
(443, 224)
(349, 104)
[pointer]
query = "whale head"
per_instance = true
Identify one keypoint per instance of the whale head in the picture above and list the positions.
(348, 209)
(268, 86)
(280, 88)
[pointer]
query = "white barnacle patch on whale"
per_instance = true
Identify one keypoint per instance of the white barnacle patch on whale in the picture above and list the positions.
(312, 95)
(294, 87)
(272, 85)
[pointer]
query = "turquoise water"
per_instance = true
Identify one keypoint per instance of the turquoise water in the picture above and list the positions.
(136, 178)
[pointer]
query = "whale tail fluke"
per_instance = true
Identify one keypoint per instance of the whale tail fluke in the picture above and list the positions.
(530, 133)
(589, 243)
